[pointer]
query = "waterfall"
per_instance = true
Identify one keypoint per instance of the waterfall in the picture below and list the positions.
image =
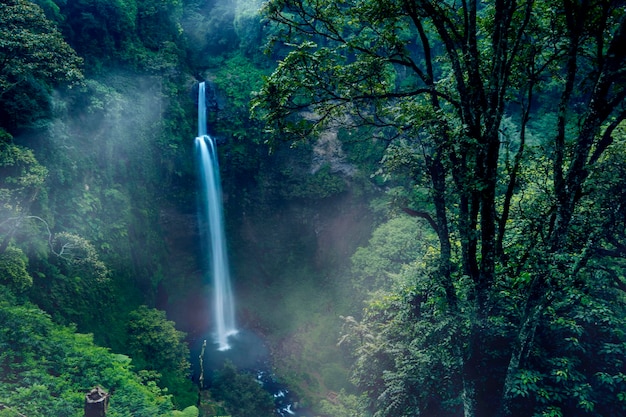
(212, 228)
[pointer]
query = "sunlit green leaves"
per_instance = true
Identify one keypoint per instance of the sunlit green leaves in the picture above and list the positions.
(13, 271)
(159, 350)
(393, 246)
(191, 411)
(344, 405)
(47, 369)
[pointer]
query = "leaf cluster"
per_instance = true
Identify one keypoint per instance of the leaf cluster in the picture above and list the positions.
(47, 369)
(158, 348)
(34, 56)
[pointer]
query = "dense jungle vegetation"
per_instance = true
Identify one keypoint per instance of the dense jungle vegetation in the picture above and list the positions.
(424, 204)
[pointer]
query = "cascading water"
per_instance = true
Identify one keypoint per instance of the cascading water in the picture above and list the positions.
(247, 350)
(213, 233)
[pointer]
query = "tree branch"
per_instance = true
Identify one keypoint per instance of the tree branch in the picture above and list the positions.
(423, 215)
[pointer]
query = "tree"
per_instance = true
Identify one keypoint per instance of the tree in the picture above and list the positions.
(13, 271)
(442, 80)
(32, 47)
(393, 245)
(32, 51)
(156, 342)
(135, 34)
(157, 347)
(21, 180)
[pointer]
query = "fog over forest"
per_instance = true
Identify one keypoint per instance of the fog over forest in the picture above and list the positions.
(422, 205)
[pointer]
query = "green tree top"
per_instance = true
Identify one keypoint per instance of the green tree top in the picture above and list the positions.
(160, 351)
(32, 47)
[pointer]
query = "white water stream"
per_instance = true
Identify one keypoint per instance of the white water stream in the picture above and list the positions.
(246, 350)
(212, 229)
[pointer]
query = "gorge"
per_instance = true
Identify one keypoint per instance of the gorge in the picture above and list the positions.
(240, 347)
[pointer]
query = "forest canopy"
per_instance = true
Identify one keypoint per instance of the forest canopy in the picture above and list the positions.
(503, 121)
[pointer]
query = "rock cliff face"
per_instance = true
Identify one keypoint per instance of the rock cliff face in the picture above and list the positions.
(329, 151)
(182, 292)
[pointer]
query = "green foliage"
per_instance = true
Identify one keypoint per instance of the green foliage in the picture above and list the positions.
(141, 35)
(47, 369)
(51, 8)
(13, 271)
(236, 78)
(158, 22)
(31, 46)
(81, 256)
(100, 30)
(241, 393)
(159, 348)
(579, 365)
(344, 405)
(155, 340)
(115, 146)
(191, 411)
(362, 148)
(248, 25)
(21, 178)
(395, 244)
(9, 412)
(521, 223)
(106, 180)
(33, 57)
(210, 32)
(404, 350)
(71, 282)
(316, 186)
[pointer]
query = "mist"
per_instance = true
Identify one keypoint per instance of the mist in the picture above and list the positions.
(121, 181)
